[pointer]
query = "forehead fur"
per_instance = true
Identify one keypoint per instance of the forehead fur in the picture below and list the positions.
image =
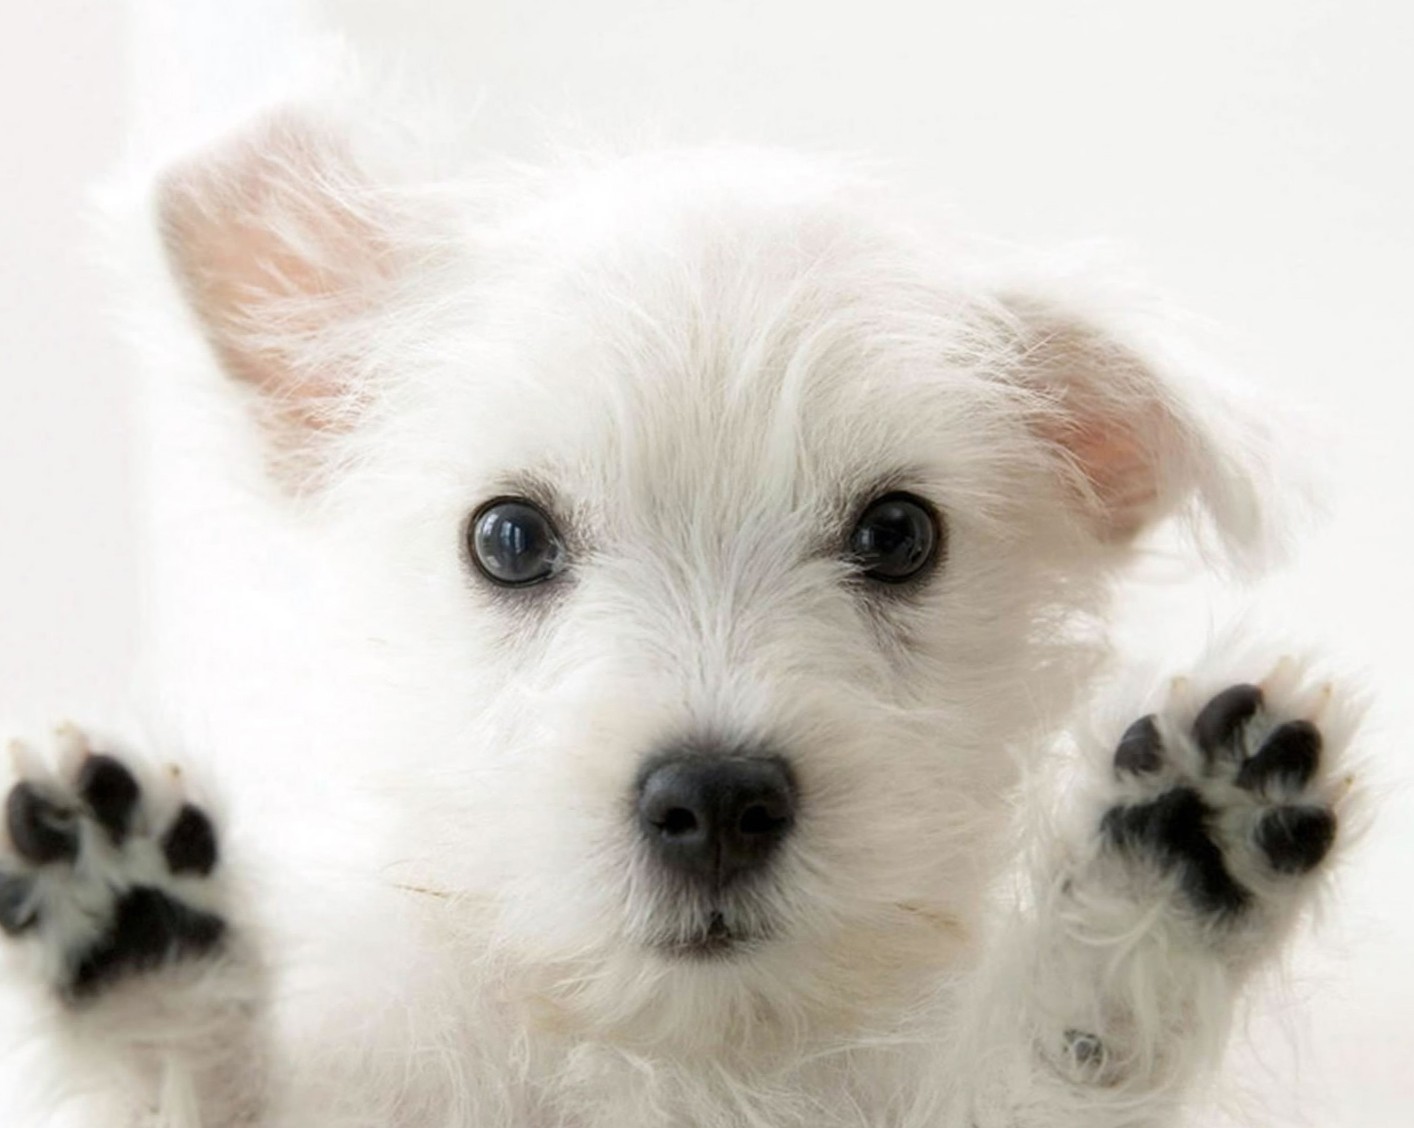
(684, 323)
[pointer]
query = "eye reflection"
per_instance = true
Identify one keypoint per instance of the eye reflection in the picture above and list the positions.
(897, 538)
(513, 543)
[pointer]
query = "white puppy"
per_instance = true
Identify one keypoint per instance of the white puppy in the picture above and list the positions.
(683, 562)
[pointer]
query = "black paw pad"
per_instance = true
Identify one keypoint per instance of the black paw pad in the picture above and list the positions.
(1140, 751)
(149, 929)
(1296, 839)
(190, 843)
(17, 911)
(1291, 754)
(1174, 829)
(1221, 720)
(106, 917)
(111, 793)
(42, 831)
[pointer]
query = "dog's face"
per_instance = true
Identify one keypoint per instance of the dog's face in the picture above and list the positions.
(722, 546)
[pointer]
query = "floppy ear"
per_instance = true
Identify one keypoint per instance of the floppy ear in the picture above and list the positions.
(278, 241)
(1134, 443)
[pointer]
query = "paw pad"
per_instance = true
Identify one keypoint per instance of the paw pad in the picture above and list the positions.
(1219, 725)
(101, 895)
(42, 831)
(190, 843)
(1291, 753)
(1227, 805)
(1296, 839)
(1176, 829)
(1141, 748)
(111, 793)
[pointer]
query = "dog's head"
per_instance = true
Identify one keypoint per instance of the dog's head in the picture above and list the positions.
(727, 541)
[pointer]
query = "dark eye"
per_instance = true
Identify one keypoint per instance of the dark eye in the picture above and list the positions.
(898, 537)
(514, 543)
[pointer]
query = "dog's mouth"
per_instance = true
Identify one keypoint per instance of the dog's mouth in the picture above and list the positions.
(718, 940)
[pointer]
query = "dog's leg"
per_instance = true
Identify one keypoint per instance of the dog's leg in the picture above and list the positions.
(129, 967)
(1211, 825)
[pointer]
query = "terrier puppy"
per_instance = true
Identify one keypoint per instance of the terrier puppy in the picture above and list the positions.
(683, 563)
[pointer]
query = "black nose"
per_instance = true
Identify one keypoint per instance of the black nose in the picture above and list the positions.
(716, 817)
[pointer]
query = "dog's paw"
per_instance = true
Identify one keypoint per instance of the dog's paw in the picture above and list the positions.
(1231, 801)
(102, 877)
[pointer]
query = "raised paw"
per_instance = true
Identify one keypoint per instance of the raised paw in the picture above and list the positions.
(1233, 802)
(104, 879)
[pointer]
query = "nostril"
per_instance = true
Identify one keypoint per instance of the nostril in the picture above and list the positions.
(677, 822)
(758, 820)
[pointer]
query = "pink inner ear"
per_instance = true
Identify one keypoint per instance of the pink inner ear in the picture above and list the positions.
(272, 244)
(1111, 420)
(1119, 467)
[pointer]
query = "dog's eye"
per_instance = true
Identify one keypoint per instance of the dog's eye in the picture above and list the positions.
(514, 543)
(898, 537)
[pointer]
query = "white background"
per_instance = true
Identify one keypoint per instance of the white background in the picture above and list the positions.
(1255, 157)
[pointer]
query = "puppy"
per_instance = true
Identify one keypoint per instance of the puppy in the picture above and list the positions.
(666, 574)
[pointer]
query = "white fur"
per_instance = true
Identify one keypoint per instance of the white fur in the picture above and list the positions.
(708, 361)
